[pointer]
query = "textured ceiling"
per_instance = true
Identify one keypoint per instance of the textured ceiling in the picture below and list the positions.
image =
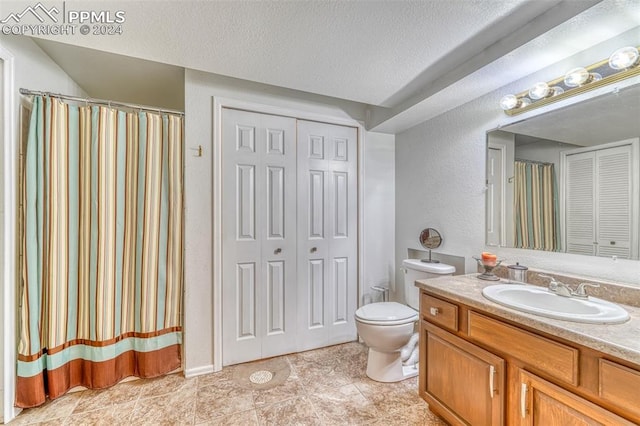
(365, 51)
(408, 60)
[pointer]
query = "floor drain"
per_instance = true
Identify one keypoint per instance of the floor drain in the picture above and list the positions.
(261, 377)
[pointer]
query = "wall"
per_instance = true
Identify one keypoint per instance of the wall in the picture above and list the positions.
(440, 174)
(544, 151)
(200, 90)
(33, 69)
(379, 194)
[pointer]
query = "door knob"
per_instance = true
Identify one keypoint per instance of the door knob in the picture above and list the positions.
(277, 251)
(314, 249)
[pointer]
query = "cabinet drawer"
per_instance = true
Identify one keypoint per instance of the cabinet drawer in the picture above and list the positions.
(439, 312)
(619, 385)
(553, 358)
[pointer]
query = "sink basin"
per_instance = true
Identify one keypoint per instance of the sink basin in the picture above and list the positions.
(540, 301)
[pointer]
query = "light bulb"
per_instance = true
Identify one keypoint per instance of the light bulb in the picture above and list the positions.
(576, 77)
(539, 91)
(580, 76)
(508, 102)
(623, 58)
(511, 101)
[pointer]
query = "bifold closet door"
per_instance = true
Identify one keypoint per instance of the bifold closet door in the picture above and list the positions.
(258, 236)
(327, 234)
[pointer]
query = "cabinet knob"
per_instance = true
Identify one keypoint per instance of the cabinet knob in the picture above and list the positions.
(434, 311)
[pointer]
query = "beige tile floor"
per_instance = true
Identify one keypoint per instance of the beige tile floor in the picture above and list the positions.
(324, 387)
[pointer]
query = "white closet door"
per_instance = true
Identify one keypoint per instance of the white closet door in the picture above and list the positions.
(259, 236)
(614, 201)
(327, 232)
(580, 203)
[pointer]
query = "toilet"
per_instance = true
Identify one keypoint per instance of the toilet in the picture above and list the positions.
(387, 327)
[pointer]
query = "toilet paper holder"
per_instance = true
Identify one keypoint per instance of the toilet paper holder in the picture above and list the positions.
(383, 290)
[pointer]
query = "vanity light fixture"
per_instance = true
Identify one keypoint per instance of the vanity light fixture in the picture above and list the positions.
(622, 64)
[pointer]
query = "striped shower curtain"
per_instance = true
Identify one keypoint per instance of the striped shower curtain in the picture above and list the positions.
(536, 206)
(102, 239)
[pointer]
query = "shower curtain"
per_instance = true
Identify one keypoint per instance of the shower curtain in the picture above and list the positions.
(102, 238)
(536, 206)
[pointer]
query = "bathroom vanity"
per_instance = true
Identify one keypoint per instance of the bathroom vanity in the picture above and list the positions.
(485, 364)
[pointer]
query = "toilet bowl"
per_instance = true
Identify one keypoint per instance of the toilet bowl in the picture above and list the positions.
(386, 327)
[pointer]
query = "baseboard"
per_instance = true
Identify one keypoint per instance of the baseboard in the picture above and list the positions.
(198, 371)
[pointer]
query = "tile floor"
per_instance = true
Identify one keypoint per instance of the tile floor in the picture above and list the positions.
(324, 387)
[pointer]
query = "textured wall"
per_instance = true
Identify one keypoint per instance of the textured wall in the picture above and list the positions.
(33, 69)
(440, 173)
(200, 88)
(379, 209)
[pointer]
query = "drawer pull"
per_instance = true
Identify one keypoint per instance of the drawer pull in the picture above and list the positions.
(434, 311)
(492, 372)
(523, 400)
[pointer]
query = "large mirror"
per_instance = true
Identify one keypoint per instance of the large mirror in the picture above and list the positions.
(568, 180)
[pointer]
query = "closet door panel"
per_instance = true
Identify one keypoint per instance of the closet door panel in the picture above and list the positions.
(258, 221)
(580, 204)
(327, 217)
(614, 199)
(279, 235)
(343, 243)
(313, 244)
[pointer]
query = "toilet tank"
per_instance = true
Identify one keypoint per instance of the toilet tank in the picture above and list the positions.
(414, 269)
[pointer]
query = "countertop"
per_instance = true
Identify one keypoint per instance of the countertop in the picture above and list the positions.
(619, 340)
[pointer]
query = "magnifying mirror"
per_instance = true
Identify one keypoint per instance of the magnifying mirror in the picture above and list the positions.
(430, 239)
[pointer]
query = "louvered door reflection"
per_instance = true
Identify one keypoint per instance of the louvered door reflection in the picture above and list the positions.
(614, 198)
(601, 208)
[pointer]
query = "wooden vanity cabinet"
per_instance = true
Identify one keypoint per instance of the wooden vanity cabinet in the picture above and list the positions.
(542, 403)
(461, 382)
(479, 370)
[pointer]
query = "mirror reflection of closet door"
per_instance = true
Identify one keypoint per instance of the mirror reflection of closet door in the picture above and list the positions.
(494, 199)
(601, 212)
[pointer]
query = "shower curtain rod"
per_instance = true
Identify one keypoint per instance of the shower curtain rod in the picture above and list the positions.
(28, 92)
(544, 163)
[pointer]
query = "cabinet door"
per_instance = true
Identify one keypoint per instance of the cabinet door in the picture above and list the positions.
(460, 381)
(543, 403)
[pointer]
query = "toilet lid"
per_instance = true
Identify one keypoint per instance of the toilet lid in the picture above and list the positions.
(386, 311)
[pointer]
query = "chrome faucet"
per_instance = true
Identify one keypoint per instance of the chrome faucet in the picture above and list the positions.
(561, 289)
(581, 292)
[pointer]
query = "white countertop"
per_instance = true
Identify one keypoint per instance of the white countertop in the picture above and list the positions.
(619, 340)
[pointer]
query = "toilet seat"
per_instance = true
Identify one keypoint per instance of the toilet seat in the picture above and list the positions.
(386, 313)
